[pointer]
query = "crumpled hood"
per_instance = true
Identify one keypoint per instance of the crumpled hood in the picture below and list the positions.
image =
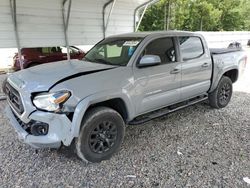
(43, 77)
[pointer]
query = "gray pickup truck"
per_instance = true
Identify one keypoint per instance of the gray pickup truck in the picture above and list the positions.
(123, 80)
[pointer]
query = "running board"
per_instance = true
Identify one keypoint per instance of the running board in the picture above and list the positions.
(167, 110)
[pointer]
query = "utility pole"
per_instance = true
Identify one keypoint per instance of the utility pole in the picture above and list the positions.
(169, 12)
(165, 16)
(201, 24)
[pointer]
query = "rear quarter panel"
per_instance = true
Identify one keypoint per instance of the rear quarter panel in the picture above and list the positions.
(226, 62)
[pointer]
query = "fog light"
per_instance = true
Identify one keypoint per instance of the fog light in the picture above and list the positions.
(39, 129)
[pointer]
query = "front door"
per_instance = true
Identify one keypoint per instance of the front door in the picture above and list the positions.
(158, 86)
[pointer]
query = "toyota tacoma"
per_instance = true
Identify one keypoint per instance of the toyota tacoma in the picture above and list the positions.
(123, 80)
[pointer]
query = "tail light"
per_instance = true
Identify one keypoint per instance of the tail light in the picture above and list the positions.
(242, 66)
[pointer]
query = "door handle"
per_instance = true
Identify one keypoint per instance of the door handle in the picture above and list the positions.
(175, 71)
(205, 65)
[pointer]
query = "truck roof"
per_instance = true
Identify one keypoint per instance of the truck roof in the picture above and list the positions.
(157, 33)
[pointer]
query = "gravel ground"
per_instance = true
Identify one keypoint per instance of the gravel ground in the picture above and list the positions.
(195, 147)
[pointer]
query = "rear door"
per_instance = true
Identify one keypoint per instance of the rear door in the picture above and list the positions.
(45, 53)
(196, 67)
(158, 86)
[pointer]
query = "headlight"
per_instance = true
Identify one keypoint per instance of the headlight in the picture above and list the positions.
(51, 101)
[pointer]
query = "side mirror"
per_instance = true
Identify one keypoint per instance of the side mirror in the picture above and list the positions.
(149, 60)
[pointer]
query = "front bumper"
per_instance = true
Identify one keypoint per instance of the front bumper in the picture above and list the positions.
(59, 129)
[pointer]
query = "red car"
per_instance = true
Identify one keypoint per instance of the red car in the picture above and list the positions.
(35, 56)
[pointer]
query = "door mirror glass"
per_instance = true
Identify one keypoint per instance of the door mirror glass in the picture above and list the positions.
(149, 60)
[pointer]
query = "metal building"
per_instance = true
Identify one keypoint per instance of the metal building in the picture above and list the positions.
(56, 22)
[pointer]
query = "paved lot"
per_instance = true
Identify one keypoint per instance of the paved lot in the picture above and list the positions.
(195, 147)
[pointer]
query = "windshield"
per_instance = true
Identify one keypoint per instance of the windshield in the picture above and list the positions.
(113, 51)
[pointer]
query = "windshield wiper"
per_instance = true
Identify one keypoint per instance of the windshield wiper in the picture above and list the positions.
(103, 61)
(87, 59)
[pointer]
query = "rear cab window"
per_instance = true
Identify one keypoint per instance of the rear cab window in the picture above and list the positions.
(191, 47)
(51, 50)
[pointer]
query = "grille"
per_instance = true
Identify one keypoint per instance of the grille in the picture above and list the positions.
(35, 128)
(14, 98)
(25, 126)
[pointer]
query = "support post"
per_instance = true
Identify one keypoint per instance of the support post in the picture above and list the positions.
(139, 22)
(139, 7)
(66, 24)
(105, 23)
(13, 14)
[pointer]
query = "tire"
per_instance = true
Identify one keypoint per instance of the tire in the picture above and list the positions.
(101, 135)
(221, 96)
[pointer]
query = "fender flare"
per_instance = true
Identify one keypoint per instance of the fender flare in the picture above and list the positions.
(84, 104)
(219, 76)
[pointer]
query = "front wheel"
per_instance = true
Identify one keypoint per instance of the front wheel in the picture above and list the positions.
(101, 134)
(221, 96)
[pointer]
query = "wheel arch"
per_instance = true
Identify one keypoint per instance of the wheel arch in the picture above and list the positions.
(116, 104)
(232, 73)
(119, 103)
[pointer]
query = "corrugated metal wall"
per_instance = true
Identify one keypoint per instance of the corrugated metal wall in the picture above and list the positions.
(40, 23)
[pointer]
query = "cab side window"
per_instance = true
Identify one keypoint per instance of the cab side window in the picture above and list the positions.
(191, 47)
(164, 48)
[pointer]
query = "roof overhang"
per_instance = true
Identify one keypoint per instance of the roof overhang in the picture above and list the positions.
(33, 23)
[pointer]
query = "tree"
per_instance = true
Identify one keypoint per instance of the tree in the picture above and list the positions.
(245, 11)
(231, 18)
(204, 16)
(153, 19)
(193, 15)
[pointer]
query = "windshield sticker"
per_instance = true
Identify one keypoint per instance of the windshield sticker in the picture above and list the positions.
(131, 43)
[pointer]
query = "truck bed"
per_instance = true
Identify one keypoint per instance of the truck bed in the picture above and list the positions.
(224, 50)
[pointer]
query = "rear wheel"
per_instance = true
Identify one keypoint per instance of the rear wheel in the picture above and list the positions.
(101, 135)
(221, 96)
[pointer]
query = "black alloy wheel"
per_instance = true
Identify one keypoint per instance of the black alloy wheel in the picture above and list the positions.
(103, 137)
(101, 134)
(225, 94)
(221, 96)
